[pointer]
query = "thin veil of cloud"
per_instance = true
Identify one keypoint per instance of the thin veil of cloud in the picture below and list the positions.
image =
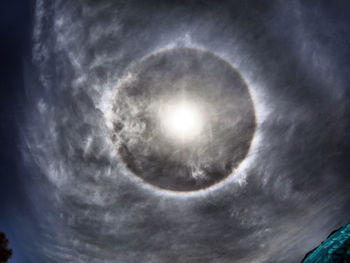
(293, 189)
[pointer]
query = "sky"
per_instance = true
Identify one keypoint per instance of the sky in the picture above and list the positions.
(67, 195)
(15, 28)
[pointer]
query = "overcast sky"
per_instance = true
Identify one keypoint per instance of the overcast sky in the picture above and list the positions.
(67, 196)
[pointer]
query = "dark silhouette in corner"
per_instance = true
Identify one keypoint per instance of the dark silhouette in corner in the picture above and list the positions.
(5, 252)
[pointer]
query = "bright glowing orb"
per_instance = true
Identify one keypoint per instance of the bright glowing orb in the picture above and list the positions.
(181, 120)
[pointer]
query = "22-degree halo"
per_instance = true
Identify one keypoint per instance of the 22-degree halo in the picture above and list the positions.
(213, 89)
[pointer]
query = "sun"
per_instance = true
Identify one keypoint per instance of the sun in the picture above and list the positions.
(181, 120)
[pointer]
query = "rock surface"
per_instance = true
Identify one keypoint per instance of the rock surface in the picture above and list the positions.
(336, 248)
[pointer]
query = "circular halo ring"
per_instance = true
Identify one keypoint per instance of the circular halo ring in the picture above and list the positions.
(127, 81)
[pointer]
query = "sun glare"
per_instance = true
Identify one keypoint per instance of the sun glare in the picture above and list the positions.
(181, 120)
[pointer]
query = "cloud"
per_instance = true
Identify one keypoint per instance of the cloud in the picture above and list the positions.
(295, 188)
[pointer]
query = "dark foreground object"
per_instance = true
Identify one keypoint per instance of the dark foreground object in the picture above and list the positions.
(336, 248)
(5, 252)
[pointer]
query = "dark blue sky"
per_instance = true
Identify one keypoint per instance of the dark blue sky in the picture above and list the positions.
(15, 31)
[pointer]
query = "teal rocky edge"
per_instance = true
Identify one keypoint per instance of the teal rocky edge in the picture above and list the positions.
(336, 248)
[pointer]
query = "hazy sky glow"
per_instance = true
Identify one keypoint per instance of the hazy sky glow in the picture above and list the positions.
(90, 158)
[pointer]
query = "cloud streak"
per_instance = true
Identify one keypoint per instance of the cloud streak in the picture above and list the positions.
(292, 190)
